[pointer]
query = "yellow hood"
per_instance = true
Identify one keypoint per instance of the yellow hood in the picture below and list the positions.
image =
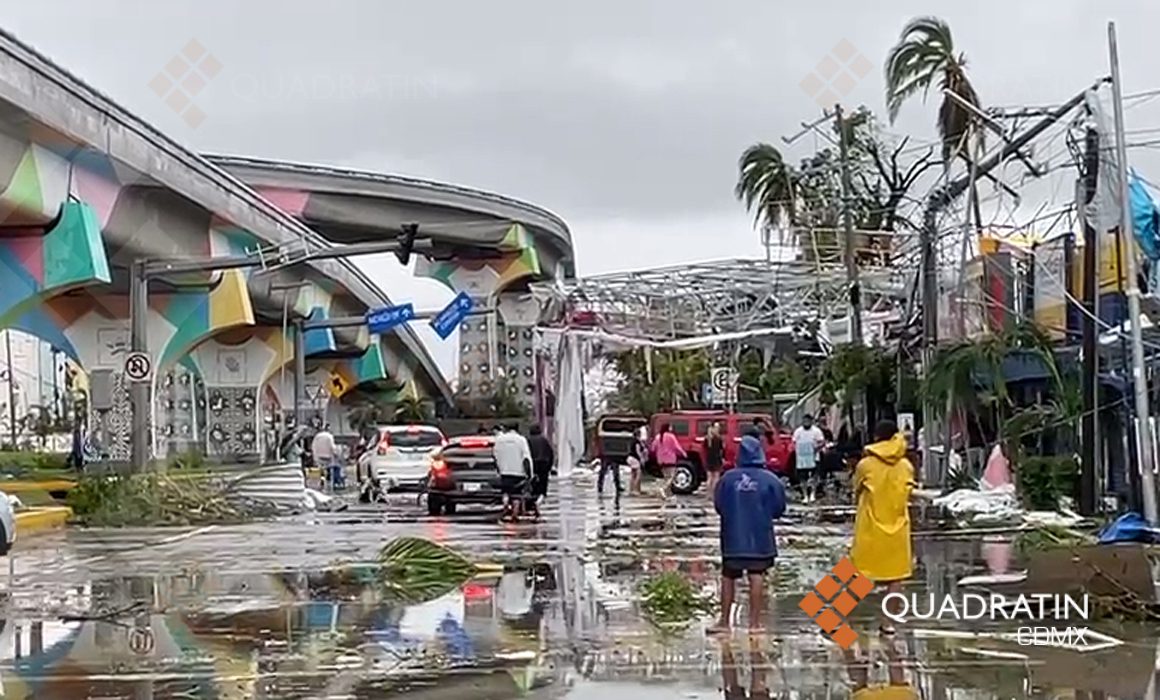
(889, 451)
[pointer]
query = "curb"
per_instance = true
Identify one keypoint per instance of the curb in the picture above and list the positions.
(36, 520)
(49, 486)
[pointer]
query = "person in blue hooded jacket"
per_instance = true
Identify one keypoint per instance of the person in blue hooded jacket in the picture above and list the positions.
(748, 498)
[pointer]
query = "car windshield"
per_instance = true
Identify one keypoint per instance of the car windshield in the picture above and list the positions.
(417, 438)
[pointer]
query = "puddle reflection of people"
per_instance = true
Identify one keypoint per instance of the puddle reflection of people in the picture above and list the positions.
(896, 687)
(758, 672)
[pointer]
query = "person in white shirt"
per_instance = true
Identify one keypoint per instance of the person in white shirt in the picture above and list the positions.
(325, 454)
(808, 441)
(513, 457)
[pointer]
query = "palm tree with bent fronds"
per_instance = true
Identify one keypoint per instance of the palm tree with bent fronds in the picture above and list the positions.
(765, 185)
(926, 51)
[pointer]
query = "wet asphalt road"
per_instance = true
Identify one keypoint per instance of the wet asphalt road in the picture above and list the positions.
(260, 611)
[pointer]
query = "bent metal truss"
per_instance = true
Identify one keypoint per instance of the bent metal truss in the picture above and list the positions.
(721, 296)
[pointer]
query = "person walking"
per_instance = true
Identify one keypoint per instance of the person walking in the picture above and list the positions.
(608, 466)
(748, 498)
(543, 459)
(636, 460)
(513, 457)
(714, 455)
(808, 441)
(883, 482)
(668, 451)
(325, 454)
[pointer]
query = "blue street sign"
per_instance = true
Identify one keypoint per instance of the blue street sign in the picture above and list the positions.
(452, 315)
(386, 318)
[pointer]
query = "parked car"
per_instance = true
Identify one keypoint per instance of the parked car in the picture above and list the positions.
(397, 459)
(7, 524)
(690, 427)
(464, 471)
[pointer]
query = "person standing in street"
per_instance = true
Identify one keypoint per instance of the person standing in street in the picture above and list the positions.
(748, 498)
(513, 457)
(668, 451)
(543, 459)
(325, 454)
(636, 460)
(714, 455)
(606, 466)
(808, 441)
(883, 482)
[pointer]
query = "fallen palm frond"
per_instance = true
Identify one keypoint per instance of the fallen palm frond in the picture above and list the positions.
(145, 500)
(1050, 537)
(671, 599)
(417, 570)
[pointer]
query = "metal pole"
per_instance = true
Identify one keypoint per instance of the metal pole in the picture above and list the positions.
(11, 387)
(1139, 378)
(848, 225)
(1085, 191)
(138, 342)
(299, 374)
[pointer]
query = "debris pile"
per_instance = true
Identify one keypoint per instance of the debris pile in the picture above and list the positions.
(145, 500)
(671, 599)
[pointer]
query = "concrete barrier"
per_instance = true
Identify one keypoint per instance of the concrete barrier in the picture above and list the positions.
(34, 520)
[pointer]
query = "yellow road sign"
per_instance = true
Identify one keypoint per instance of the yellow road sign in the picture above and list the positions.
(337, 385)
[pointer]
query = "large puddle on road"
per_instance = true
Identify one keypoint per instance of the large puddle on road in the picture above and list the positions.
(567, 628)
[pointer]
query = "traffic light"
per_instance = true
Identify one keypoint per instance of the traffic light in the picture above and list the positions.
(406, 242)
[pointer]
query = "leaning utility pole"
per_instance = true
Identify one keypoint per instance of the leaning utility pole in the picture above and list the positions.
(1139, 374)
(928, 239)
(1089, 448)
(848, 226)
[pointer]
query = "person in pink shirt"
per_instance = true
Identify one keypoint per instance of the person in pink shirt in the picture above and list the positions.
(668, 451)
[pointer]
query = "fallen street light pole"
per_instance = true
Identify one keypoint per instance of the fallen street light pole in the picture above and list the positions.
(142, 270)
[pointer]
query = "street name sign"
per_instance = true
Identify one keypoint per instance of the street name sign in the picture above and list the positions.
(382, 320)
(452, 315)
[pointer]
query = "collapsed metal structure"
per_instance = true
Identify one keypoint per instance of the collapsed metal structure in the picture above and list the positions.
(719, 297)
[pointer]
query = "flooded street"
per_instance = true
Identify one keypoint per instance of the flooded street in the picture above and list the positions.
(288, 609)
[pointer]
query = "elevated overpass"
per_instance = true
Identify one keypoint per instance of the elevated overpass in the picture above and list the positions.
(489, 245)
(86, 188)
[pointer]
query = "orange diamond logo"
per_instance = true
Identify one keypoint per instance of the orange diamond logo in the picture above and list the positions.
(844, 587)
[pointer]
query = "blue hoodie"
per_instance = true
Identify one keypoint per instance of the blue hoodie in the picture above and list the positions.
(749, 498)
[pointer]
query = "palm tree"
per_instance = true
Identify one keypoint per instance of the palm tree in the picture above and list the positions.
(765, 185)
(925, 51)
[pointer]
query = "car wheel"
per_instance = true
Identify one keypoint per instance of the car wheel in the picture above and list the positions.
(435, 505)
(5, 545)
(684, 480)
(449, 508)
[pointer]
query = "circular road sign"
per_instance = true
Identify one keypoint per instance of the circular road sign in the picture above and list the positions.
(138, 366)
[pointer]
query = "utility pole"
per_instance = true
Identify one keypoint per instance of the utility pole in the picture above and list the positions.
(1089, 448)
(928, 239)
(1139, 375)
(848, 225)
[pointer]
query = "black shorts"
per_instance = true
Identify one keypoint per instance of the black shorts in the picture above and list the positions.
(512, 485)
(735, 567)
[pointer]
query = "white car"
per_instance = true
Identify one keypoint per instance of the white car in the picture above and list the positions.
(399, 458)
(8, 522)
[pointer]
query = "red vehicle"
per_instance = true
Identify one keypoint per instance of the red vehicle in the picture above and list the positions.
(690, 427)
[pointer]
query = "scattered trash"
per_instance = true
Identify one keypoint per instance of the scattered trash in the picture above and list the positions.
(671, 599)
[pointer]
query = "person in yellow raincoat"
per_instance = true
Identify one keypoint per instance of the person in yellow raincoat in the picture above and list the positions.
(883, 481)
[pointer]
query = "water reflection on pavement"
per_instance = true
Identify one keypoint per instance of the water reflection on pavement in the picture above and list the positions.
(286, 610)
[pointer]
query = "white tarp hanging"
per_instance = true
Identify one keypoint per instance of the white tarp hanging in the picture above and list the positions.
(569, 405)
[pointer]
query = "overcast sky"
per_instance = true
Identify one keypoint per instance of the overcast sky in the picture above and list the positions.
(626, 118)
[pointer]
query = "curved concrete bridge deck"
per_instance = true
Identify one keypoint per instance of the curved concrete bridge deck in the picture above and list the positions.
(487, 244)
(85, 189)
